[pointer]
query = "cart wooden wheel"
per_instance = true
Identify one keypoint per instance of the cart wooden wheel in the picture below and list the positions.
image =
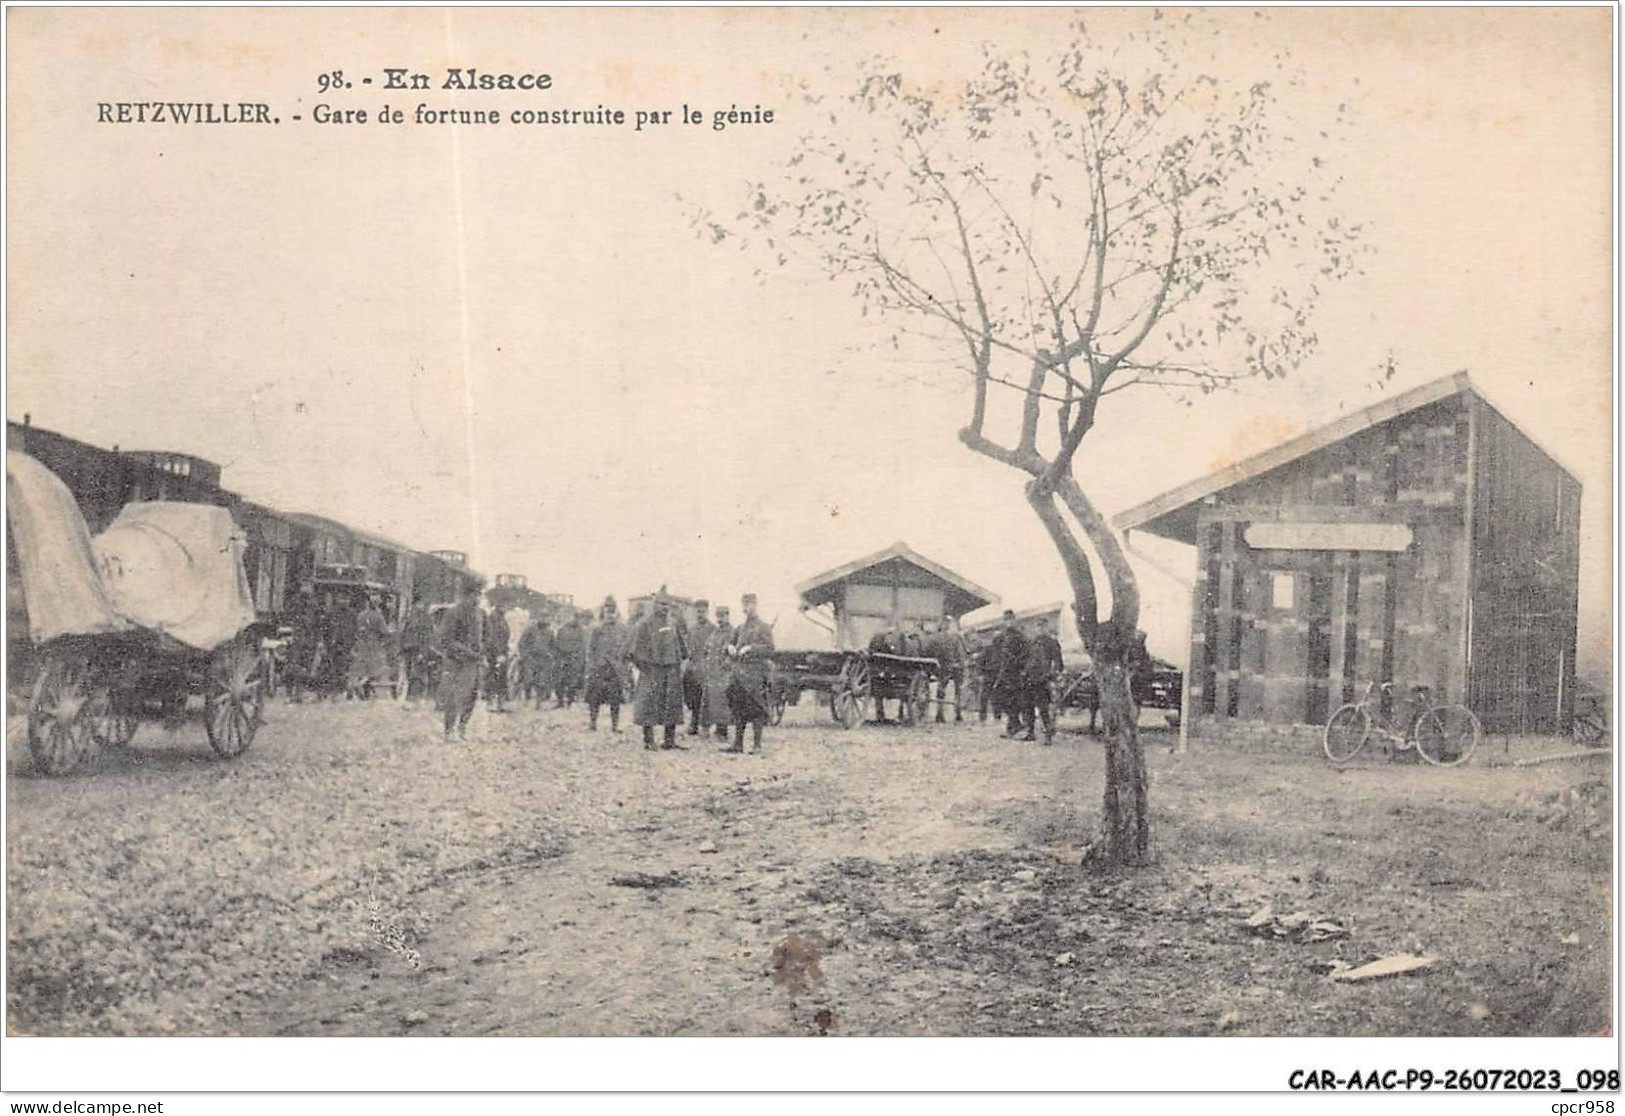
(235, 702)
(918, 698)
(62, 714)
(849, 698)
(117, 727)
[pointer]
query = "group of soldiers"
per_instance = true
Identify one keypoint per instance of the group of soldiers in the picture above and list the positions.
(714, 675)
(338, 645)
(1015, 674)
(1018, 676)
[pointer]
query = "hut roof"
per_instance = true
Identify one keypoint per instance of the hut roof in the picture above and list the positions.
(1173, 514)
(963, 595)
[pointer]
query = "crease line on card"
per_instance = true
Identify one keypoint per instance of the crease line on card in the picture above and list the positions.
(462, 303)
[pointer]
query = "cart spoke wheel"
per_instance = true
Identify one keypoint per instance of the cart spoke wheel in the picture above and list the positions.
(1346, 733)
(236, 699)
(62, 715)
(1446, 735)
(848, 700)
(116, 727)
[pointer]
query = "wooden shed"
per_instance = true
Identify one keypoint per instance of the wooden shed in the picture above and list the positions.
(1424, 540)
(895, 586)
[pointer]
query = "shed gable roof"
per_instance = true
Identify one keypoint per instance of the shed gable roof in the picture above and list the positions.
(825, 588)
(1158, 516)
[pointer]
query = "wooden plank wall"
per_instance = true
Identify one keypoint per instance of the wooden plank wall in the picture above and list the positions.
(1525, 592)
(1341, 618)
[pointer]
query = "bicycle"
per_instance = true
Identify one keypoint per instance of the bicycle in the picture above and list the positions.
(1443, 735)
(1590, 721)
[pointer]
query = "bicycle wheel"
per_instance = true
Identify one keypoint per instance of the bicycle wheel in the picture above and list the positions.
(1346, 733)
(1590, 730)
(1446, 734)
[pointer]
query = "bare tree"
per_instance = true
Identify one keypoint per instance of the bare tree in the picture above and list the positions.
(1066, 230)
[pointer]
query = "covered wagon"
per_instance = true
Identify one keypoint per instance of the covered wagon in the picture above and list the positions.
(132, 622)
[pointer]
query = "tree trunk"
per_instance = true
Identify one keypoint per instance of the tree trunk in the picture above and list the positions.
(1118, 651)
(1125, 827)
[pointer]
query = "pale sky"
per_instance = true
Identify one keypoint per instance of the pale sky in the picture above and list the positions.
(507, 340)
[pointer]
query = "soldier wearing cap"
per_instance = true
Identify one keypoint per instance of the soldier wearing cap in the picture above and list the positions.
(536, 660)
(462, 647)
(1040, 668)
(659, 646)
(748, 696)
(694, 672)
(569, 657)
(606, 655)
(1009, 655)
(718, 673)
(497, 637)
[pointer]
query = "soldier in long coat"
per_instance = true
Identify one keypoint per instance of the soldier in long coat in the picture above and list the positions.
(340, 637)
(369, 658)
(659, 646)
(462, 649)
(699, 642)
(748, 695)
(947, 646)
(569, 658)
(497, 637)
(417, 649)
(1040, 668)
(305, 648)
(536, 660)
(1009, 655)
(606, 666)
(718, 673)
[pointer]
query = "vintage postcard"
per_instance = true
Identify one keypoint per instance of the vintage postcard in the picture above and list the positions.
(962, 522)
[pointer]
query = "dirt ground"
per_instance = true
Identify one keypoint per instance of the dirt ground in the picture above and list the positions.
(352, 875)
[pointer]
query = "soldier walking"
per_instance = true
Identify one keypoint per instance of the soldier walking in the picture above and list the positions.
(659, 647)
(748, 697)
(606, 657)
(699, 642)
(462, 650)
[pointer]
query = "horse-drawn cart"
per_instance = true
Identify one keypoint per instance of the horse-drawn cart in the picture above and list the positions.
(854, 681)
(133, 623)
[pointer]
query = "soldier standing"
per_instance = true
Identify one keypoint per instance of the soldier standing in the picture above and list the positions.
(1009, 656)
(305, 644)
(462, 650)
(658, 650)
(341, 633)
(1040, 668)
(985, 663)
(718, 673)
(569, 657)
(536, 660)
(417, 646)
(699, 642)
(947, 646)
(606, 659)
(496, 656)
(748, 696)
